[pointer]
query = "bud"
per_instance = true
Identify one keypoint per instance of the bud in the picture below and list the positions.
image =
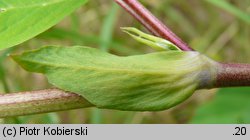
(156, 43)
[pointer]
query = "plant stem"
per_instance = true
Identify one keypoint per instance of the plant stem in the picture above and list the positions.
(231, 75)
(154, 25)
(42, 101)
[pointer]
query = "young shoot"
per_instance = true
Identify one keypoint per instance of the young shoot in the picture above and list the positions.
(154, 42)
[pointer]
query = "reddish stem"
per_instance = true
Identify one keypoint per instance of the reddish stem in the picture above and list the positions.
(154, 25)
(231, 75)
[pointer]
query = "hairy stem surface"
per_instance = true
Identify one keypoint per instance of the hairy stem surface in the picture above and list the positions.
(42, 101)
(230, 75)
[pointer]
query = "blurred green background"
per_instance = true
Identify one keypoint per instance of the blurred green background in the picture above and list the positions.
(217, 28)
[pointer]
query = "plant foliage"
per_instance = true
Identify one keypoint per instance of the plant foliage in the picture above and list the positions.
(21, 20)
(154, 81)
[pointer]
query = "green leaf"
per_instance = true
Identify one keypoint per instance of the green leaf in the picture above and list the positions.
(153, 81)
(230, 105)
(108, 27)
(21, 20)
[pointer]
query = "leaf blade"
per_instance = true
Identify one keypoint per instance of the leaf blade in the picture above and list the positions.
(142, 82)
(22, 20)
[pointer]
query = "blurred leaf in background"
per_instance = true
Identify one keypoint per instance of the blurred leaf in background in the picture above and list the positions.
(230, 105)
(231, 9)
